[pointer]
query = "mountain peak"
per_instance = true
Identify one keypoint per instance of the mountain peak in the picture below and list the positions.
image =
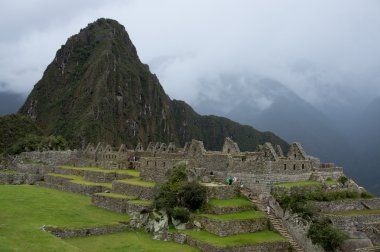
(97, 89)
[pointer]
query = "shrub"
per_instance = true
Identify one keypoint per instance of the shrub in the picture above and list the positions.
(342, 179)
(181, 213)
(322, 232)
(165, 198)
(366, 195)
(192, 195)
(178, 175)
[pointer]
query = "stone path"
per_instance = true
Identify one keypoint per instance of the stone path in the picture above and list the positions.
(276, 222)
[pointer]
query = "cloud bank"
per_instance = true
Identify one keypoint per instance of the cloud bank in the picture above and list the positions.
(325, 50)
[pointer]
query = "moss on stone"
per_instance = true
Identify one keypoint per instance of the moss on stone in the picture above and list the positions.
(138, 182)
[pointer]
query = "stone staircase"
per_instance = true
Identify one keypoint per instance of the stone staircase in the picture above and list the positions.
(275, 222)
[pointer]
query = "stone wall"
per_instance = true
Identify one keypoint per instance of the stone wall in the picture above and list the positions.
(225, 228)
(347, 205)
(221, 191)
(103, 177)
(141, 192)
(53, 157)
(66, 185)
(353, 222)
(19, 178)
(65, 233)
(295, 225)
(227, 210)
(262, 247)
(157, 169)
(119, 205)
(295, 189)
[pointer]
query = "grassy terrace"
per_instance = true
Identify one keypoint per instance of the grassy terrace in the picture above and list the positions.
(127, 241)
(137, 181)
(141, 202)
(79, 180)
(331, 182)
(24, 209)
(357, 212)
(235, 240)
(246, 215)
(133, 173)
(116, 195)
(237, 202)
(299, 183)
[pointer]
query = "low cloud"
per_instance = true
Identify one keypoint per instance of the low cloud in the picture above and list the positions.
(323, 50)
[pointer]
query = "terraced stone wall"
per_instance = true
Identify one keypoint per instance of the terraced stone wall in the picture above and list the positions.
(347, 205)
(222, 192)
(264, 247)
(225, 228)
(348, 222)
(141, 192)
(19, 178)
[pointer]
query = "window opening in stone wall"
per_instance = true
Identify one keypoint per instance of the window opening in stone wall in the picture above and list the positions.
(147, 162)
(284, 167)
(295, 155)
(303, 166)
(228, 150)
(294, 167)
(163, 164)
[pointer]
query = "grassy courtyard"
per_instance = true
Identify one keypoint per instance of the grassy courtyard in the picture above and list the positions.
(24, 209)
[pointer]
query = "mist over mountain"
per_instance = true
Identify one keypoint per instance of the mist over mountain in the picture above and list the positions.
(350, 140)
(10, 102)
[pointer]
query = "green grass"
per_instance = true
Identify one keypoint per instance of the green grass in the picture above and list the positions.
(133, 173)
(141, 202)
(138, 181)
(246, 215)
(235, 240)
(237, 202)
(116, 195)
(357, 212)
(24, 209)
(331, 182)
(298, 183)
(9, 172)
(127, 241)
(79, 180)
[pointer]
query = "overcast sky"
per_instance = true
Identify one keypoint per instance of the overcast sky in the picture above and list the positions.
(324, 50)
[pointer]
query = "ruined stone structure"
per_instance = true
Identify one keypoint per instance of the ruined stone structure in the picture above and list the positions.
(255, 170)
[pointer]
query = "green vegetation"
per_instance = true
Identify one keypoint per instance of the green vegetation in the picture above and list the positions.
(323, 233)
(138, 182)
(181, 213)
(342, 180)
(299, 183)
(24, 209)
(127, 241)
(15, 127)
(237, 202)
(141, 202)
(330, 181)
(133, 173)
(358, 212)
(116, 195)
(235, 240)
(246, 215)
(79, 180)
(178, 192)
